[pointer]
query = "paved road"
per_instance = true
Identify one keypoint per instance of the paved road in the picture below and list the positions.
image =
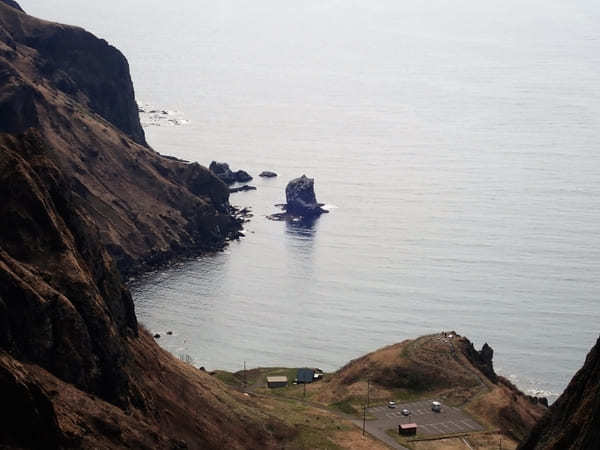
(378, 433)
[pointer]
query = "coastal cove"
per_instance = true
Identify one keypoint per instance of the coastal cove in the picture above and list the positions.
(459, 165)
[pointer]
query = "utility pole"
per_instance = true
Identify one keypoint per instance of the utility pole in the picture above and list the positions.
(245, 379)
(368, 391)
(364, 418)
(304, 388)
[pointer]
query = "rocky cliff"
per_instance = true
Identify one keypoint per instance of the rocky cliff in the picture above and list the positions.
(573, 421)
(75, 91)
(84, 200)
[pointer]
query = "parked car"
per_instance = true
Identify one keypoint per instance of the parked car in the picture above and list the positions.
(436, 406)
(405, 412)
(391, 404)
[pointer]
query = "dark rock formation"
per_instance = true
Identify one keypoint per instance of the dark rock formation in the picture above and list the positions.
(241, 176)
(573, 421)
(267, 174)
(226, 175)
(242, 188)
(301, 199)
(482, 359)
(223, 171)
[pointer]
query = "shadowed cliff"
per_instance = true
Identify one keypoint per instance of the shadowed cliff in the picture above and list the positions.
(84, 200)
(573, 421)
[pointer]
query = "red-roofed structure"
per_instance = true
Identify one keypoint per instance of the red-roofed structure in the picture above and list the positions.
(407, 429)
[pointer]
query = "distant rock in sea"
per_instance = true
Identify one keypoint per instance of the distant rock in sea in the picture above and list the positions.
(301, 198)
(267, 174)
(301, 201)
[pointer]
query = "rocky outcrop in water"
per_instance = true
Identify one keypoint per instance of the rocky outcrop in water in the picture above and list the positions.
(301, 203)
(301, 199)
(267, 174)
(226, 175)
(223, 172)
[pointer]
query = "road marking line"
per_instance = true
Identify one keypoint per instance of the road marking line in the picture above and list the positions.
(468, 425)
(434, 426)
(425, 429)
(444, 426)
(454, 425)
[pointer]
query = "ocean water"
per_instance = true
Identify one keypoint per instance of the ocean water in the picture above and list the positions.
(456, 142)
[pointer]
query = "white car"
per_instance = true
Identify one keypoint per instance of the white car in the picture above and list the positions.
(405, 412)
(436, 406)
(391, 404)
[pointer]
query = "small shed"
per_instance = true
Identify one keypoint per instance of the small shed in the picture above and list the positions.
(407, 429)
(277, 381)
(305, 376)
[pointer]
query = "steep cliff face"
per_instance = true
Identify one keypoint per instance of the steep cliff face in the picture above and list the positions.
(75, 90)
(62, 303)
(81, 198)
(83, 67)
(573, 421)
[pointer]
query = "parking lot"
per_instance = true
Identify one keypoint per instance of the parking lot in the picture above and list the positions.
(449, 421)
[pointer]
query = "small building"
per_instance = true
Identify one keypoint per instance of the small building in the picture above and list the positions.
(407, 429)
(305, 376)
(277, 381)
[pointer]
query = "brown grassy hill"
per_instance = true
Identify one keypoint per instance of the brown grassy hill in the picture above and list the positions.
(80, 189)
(440, 366)
(573, 421)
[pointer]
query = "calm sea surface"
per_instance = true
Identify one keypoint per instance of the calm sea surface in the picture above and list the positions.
(458, 142)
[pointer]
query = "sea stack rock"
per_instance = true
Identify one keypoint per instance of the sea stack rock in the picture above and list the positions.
(301, 199)
(267, 174)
